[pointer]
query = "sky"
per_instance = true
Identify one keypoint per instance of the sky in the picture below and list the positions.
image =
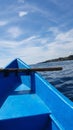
(35, 30)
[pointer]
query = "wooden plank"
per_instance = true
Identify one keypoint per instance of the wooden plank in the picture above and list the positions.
(30, 69)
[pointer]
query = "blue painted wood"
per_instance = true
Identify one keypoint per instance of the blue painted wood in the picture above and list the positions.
(37, 122)
(61, 107)
(31, 103)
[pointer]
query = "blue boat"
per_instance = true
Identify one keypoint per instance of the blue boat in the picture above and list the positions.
(29, 102)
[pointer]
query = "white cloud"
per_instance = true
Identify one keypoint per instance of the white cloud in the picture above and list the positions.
(62, 44)
(14, 32)
(3, 23)
(30, 40)
(29, 52)
(21, 1)
(54, 30)
(65, 36)
(22, 13)
(9, 45)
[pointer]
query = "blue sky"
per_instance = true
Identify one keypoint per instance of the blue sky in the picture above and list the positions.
(35, 30)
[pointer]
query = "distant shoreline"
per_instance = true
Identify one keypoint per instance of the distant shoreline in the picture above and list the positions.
(70, 57)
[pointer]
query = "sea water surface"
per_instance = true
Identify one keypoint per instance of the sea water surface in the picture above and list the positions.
(62, 80)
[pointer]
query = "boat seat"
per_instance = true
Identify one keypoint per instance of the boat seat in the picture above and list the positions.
(26, 111)
(37, 122)
(22, 105)
(21, 89)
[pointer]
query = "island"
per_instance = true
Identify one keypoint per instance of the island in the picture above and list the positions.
(70, 57)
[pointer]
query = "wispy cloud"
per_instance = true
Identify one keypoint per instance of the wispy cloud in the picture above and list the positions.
(54, 30)
(21, 1)
(30, 40)
(8, 44)
(65, 36)
(14, 32)
(3, 23)
(62, 44)
(28, 51)
(48, 14)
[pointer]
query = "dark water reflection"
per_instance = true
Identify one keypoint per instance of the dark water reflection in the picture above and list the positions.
(62, 80)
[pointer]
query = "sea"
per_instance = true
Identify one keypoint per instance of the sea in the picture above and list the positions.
(63, 79)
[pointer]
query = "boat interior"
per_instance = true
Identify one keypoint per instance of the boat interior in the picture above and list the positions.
(26, 102)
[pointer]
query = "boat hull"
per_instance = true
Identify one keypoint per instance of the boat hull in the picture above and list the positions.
(27, 101)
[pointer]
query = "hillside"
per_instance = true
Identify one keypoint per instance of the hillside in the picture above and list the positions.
(60, 59)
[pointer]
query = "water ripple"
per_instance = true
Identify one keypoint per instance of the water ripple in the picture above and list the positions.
(62, 80)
